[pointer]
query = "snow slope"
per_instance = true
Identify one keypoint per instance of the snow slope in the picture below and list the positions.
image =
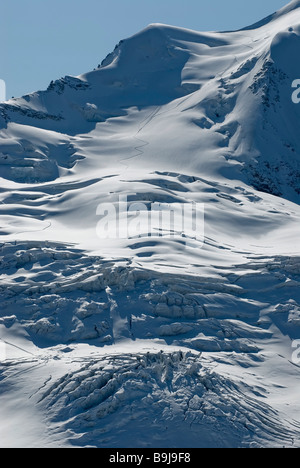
(155, 341)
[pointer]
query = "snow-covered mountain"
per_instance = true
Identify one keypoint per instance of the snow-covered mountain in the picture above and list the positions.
(155, 341)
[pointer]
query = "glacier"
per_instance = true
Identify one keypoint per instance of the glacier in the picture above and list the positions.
(155, 341)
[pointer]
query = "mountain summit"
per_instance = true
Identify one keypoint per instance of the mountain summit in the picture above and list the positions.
(231, 85)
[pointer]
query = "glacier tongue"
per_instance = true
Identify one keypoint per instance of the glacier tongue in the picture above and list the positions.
(165, 340)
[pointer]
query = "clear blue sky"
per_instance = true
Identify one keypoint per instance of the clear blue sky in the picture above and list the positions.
(43, 40)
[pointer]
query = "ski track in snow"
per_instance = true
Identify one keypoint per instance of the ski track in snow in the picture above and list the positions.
(138, 148)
